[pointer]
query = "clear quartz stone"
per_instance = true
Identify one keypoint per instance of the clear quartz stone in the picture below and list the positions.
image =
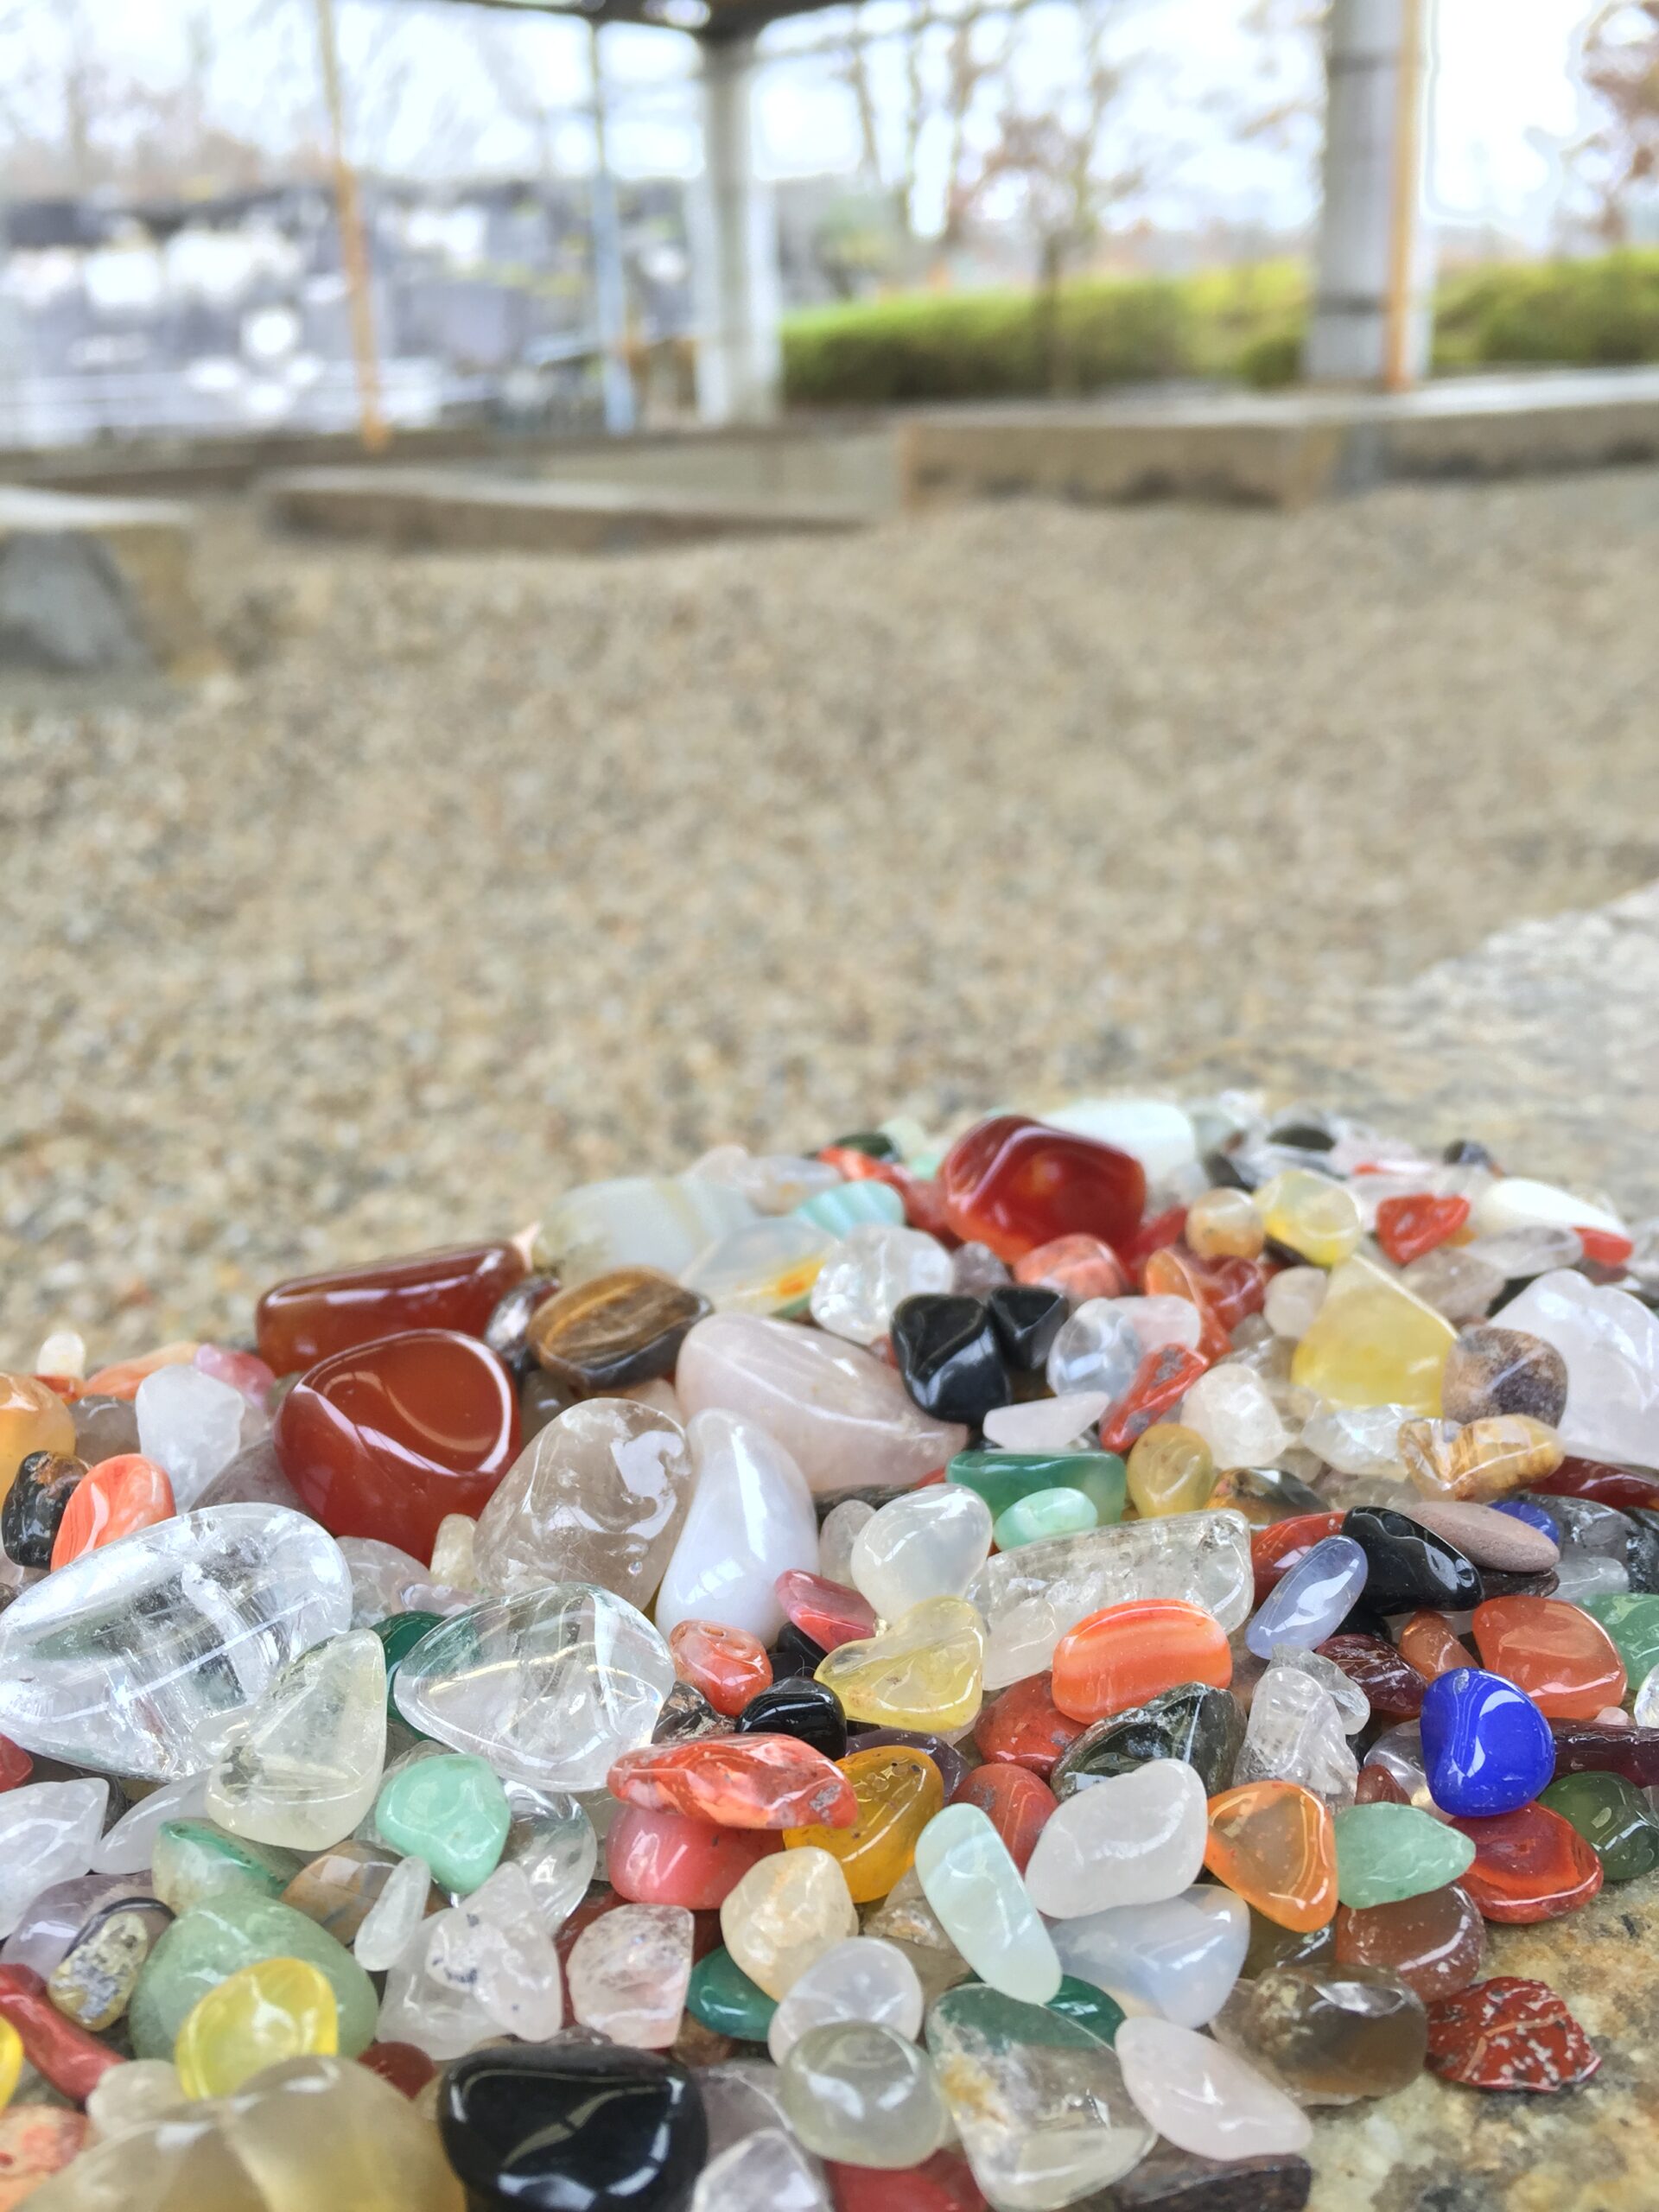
(837, 1534)
(628, 1972)
(552, 1839)
(49, 1831)
(1294, 1297)
(1356, 1440)
(1454, 1283)
(300, 1766)
(1205, 2099)
(190, 1424)
(389, 1925)
(427, 2009)
(766, 2171)
(1351, 1701)
(1230, 1408)
(863, 1979)
(1295, 1734)
(494, 1947)
(125, 1847)
(866, 1275)
(1096, 1349)
(929, 1544)
(1611, 1343)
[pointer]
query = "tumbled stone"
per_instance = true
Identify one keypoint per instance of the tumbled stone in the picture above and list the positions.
(191, 1861)
(864, 1978)
(1125, 1654)
(92, 1983)
(1274, 1844)
(338, 1889)
(272, 2010)
(750, 1520)
(1372, 1344)
(929, 1544)
(1486, 1747)
(301, 1765)
(216, 1938)
(1327, 2034)
(613, 1329)
(450, 1811)
(1385, 1854)
(1192, 1722)
(1564, 1660)
(628, 1973)
(308, 1318)
(190, 1426)
(785, 1912)
(1015, 1183)
(857, 2082)
(1436, 1941)
(924, 1671)
(745, 1781)
(1204, 2099)
(33, 1506)
(1179, 1957)
(896, 1791)
(1311, 1599)
(1131, 1839)
(573, 2124)
(1612, 1816)
(1018, 1805)
(1509, 2033)
(1529, 1865)
(47, 1832)
(1483, 1460)
(1492, 1371)
(1295, 1733)
(974, 1888)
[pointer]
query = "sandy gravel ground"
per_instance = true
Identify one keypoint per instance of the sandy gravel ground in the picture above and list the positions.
(480, 877)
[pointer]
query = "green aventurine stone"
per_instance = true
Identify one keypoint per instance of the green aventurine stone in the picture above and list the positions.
(1385, 1853)
(218, 1939)
(398, 1634)
(1631, 1618)
(1612, 1815)
(723, 1997)
(1002, 1478)
(974, 2009)
(1045, 1513)
(1090, 2007)
(450, 1811)
(192, 1860)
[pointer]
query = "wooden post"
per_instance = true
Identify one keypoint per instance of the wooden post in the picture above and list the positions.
(1407, 189)
(353, 247)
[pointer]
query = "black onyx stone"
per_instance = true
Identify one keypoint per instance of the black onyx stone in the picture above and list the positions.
(808, 1711)
(795, 1652)
(574, 2127)
(1468, 1152)
(41, 1488)
(948, 1355)
(1026, 1320)
(1408, 1565)
(1305, 1136)
(871, 1142)
(1191, 1722)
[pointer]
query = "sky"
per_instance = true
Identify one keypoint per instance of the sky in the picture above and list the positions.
(435, 84)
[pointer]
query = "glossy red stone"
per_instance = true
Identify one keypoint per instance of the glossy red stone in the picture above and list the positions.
(113, 1499)
(1229, 1287)
(664, 1859)
(1156, 1234)
(944, 2182)
(1529, 1865)
(15, 1764)
(1565, 1662)
(309, 1318)
(404, 2064)
(1166, 1275)
(1391, 1682)
(1278, 1547)
(1017, 1802)
(1408, 1227)
(1436, 1941)
(1508, 2034)
(1605, 1484)
(385, 1440)
(71, 2060)
(1079, 1267)
(729, 1665)
(1607, 1248)
(1025, 1727)
(828, 1612)
(1583, 1748)
(1161, 1381)
(737, 1782)
(1015, 1183)
(1377, 1786)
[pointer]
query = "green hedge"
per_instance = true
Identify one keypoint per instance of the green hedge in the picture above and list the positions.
(1245, 323)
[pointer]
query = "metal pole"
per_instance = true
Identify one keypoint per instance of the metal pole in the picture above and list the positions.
(610, 280)
(353, 249)
(1397, 370)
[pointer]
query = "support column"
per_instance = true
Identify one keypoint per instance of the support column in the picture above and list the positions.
(1372, 315)
(734, 251)
(610, 276)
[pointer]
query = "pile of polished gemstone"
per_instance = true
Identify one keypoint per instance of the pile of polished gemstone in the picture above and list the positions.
(889, 1681)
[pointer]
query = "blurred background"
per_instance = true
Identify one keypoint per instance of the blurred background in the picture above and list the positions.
(574, 588)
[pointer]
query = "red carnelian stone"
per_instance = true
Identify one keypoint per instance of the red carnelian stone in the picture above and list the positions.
(310, 1316)
(71, 2060)
(1608, 1247)
(664, 1859)
(729, 1665)
(1154, 1235)
(15, 1764)
(112, 1499)
(1275, 1549)
(1161, 1381)
(1015, 1183)
(385, 1440)
(1426, 1643)
(1605, 1484)
(404, 2064)
(1409, 1227)
(1125, 1654)
(1080, 1267)
(1166, 1275)
(1016, 1801)
(1565, 1662)
(737, 1782)
(1229, 1287)
(1529, 1865)
(1377, 1786)
(828, 1612)
(944, 2182)
(1392, 1683)
(1025, 1727)
(1508, 2034)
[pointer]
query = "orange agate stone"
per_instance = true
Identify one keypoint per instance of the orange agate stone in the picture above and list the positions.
(1430, 1646)
(1126, 1654)
(1015, 1183)
(1275, 1845)
(1565, 1662)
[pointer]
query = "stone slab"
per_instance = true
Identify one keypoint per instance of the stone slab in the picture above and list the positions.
(136, 562)
(1285, 449)
(456, 509)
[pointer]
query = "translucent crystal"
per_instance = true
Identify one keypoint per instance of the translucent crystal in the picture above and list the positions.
(929, 1544)
(837, 1534)
(852, 2082)
(390, 1921)
(1128, 1839)
(49, 1831)
(772, 1183)
(766, 1267)
(1611, 1343)
(784, 1913)
(974, 1886)
(766, 2171)
(125, 1848)
(1454, 1283)
(1295, 1734)
(863, 1979)
(1231, 1410)
(552, 1840)
(300, 1766)
(1356, 1440)
(1097, 1349)
(1294, 1296)
(1351, 1701)
(635, 1221)
(866, 1275)
(495, 1948)
(628, 1972)
(1179, 1957)
(189, 1424)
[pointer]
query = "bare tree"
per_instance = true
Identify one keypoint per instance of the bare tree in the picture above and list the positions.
(1620, 68)
(1280, 101)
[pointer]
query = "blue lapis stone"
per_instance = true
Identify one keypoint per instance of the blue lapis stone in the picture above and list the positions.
(1486, 1747)
(1312, 1601)
(1522, 1509)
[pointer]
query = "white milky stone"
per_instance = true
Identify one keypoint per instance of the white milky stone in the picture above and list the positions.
(126, 1847)
(430, 2010)
(628, 1972)
(1095, 1350)
(1533, 1252)
(863, 1979)
(845, 1419)
(836, 1537)
(1294, 1297)
(773, 1183)
(1204, 2099)
(1158, 1133)
(1230, 1408)
(496, 1949)
(1611, 1343)
(867, 1274)
(189, 1424)
(1296, 1734)
(389, 1923)
(300, 1767)
(929, 1544)
(761, 1268)
(1046, 1424)
(751, 1518)
(644, 1221)
(767, 2171)
(1129, 1839)
(49, 1831)
(1517, 1202)
(1179, 1957)
(64, 1352)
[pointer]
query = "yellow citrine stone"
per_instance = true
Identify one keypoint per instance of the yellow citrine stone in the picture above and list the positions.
(263, 2013)
(11, 2060)
(1170, 1469)
(1482, 1459)
(899, 1790)
(1312, 1214)
(924, 1672)
(1372, 1344)
(33, 1418)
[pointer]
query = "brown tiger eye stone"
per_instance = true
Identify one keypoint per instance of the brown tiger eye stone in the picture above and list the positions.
(615, 1329)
